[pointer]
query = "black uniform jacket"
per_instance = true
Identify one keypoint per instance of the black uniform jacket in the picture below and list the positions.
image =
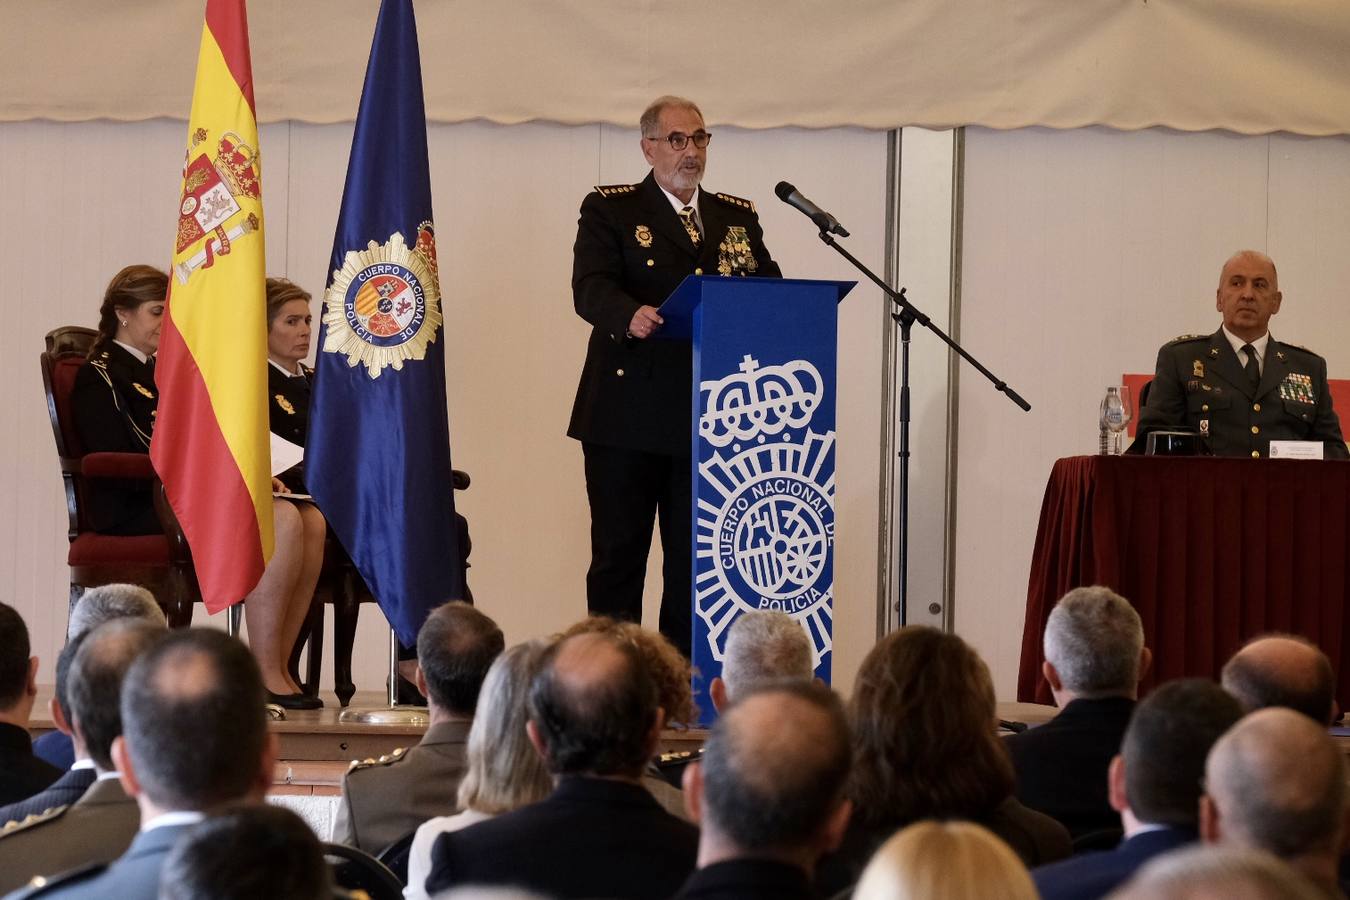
(1200, 384)
(114, 402)
(288, 416)
(632, 250)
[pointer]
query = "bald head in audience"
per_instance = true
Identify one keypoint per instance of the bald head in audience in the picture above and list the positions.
(1218, 873)
(1276, 782)
(763, 646)
(1283, 670)
(594, 709)
(771, 781)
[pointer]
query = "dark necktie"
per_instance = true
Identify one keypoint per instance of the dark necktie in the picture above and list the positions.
(687, 217)
(1252, 369)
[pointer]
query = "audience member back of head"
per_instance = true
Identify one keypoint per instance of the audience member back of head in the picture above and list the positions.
(247, 853)
(21, 773)
(1218, 873)
(922, 717)
(769, 793)
(1094, 658)
(763, 646)
(945, 861)
(595, 719)
(1155, 785)
(1283, 670)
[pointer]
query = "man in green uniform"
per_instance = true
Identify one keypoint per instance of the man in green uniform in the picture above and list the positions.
(1239, 387)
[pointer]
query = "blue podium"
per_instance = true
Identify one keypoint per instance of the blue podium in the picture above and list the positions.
(763, 459)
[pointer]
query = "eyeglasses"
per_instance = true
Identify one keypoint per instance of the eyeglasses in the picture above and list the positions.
(679, 140)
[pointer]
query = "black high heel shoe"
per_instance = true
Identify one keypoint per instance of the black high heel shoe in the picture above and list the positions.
(294, 701)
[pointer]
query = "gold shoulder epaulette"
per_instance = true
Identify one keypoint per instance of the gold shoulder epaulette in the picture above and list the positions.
(677, 757)
(615, 190)
(385, 760)
(14, 826)
(1182, 338)
(736, 201)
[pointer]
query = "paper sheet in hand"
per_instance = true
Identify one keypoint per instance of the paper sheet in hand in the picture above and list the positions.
(284, 454)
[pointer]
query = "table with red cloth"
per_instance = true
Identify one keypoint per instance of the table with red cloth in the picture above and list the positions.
(1211, 552)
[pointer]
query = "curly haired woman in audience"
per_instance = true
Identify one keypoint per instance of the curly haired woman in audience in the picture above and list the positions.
(945, 861)
(925, 747)
(504, 771)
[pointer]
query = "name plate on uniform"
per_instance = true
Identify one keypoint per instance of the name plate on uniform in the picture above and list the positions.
(1297, 450)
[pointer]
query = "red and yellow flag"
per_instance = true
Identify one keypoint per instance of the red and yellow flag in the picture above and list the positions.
(210, 445)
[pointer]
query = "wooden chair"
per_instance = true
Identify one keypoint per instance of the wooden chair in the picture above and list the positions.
(97, 559)
(342, 586)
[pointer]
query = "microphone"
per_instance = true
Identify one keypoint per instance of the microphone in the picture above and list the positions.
(824, 221)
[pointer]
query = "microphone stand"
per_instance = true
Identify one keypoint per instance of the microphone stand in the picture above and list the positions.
(906, 314)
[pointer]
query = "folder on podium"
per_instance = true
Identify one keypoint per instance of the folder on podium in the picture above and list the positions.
(763, 408)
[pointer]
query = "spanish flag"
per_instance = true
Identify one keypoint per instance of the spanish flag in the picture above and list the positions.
(210, 445)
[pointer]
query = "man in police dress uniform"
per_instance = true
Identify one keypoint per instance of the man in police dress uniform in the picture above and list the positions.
(635, 244)
(1239, 387)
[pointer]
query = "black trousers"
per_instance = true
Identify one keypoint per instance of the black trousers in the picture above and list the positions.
(628, 489)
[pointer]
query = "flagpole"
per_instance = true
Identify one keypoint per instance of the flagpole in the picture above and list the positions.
(395, 713)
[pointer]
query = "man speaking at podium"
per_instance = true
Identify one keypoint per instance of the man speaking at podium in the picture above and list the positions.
(1239, 387)
(635, 244)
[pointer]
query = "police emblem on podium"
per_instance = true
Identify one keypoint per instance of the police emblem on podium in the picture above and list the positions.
(763, 457)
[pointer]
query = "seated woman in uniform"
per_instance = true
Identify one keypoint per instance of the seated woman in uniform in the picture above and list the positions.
(114, 401)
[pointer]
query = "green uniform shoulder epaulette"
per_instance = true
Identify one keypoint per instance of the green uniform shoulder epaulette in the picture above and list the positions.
(1300, 349)
(387, 760)
(736, 201)
(615, 190)
(1183, 338)
(14, 826)
(673, 758)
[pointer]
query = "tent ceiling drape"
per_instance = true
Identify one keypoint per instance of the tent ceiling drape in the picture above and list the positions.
(1248, 66)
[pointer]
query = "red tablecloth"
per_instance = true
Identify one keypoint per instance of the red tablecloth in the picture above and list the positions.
(1210, 551)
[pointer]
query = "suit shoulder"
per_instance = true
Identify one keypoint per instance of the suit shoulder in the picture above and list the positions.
(610, 191)
(18, 826)
(735, 202)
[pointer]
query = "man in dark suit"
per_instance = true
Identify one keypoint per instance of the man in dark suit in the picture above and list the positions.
(1239, 387)
(769, 794)
(382, 800)
(98, 824)
(594, 719)
(1154, 784)
(80, 768)
(635, 244)
(21, 773)
(1094, 658)
(195, 739)
(1283, 670)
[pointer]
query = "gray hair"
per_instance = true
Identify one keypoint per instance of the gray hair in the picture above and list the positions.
(1093, 639)
(114, 601)
(504, 771)
(1214, 870)
(651, 116)
(765, 646)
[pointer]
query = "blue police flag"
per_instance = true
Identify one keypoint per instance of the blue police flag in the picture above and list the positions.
(378, 449)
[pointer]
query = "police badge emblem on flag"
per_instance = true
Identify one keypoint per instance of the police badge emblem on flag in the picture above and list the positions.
(383, 306)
